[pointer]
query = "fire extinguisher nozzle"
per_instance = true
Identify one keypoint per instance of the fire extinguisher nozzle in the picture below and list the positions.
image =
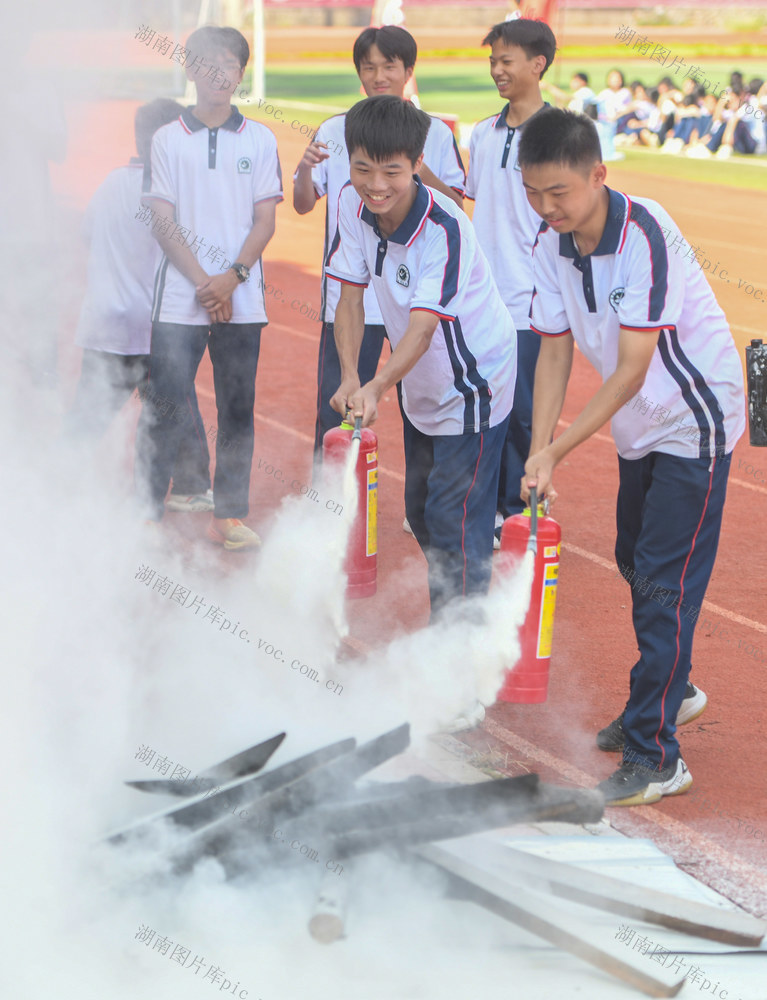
(357, 435)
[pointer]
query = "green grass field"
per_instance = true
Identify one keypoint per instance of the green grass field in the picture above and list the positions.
(464, 88)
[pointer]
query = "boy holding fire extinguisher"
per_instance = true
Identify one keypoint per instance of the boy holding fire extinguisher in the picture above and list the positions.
(453, 341)
(649, 323)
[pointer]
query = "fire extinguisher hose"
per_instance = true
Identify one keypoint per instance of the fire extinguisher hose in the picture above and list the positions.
(532, 543)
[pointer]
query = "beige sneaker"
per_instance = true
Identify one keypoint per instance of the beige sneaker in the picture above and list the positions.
(232, 534)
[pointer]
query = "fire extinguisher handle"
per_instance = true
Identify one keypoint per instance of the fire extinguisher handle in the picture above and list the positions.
(357, 435)
(532, 544)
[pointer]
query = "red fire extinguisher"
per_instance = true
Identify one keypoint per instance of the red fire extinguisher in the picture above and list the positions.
(532, 530)
(361, 561)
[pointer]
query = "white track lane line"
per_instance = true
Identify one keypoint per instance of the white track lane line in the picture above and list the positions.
(702, 846)
(707, 605)
(731, 478)
(567, 546)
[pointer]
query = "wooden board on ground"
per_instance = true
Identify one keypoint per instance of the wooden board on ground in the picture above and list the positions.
(465, 863)
(617, 896)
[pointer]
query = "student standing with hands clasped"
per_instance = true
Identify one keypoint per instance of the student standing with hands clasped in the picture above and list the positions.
(216, 182)
(649, 323)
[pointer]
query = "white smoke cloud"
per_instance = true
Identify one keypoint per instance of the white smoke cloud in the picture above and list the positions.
(98, 663)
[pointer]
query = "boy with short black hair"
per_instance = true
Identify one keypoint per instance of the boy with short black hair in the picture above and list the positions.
(384, 59)
(216, 182)
(672, 384)
(522, 51)
(453, 341)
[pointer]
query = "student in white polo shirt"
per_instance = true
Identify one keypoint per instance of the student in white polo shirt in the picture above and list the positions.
(115, 321)
(643, 314)
(216, 182)
(384, 59)
(522, 51)
(453, 341)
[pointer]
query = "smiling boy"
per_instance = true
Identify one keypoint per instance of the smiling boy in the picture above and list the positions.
(672, 384)
(521, 52)
(384, 59)
(453, 341)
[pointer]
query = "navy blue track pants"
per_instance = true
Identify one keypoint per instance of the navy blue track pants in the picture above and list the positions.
(176, 353)
(451, 487)
(669, 515)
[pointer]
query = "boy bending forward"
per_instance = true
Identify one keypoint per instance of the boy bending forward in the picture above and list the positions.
(673, 386)
(453, 341)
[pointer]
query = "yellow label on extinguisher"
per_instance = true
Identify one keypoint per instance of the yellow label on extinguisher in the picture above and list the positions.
(548, 601)
(372, 532)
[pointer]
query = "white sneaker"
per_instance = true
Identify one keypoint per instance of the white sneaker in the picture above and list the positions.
(693, 704)
(195, 504)
(672, 145)
(723, 153)
(634, 785)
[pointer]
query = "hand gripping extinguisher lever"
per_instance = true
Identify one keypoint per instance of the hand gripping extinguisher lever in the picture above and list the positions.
(532, 544)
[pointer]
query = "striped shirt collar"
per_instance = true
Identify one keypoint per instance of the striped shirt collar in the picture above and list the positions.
(193, 123)
(611, 236)
(413, 222)
(500, 121)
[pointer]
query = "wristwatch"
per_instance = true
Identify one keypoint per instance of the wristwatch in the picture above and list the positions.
(242, 272)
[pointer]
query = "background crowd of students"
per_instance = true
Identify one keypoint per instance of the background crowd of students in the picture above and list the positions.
(685, 119)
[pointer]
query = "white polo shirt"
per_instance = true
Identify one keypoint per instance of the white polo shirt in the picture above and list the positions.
(116, 313)
(440, 155)
(505, 223)
(464, 382)
(213, 177)
(692, 401)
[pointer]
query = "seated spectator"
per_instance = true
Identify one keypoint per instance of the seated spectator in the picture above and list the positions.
(706, 119)
(752, 113)
(670, 103)
(661, 120)
(630, 125)
(686, 120)
(615, 99)
(728, 132)
(581, 96)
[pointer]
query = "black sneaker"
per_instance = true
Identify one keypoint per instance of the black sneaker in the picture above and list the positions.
(694, 703)
(634, 784)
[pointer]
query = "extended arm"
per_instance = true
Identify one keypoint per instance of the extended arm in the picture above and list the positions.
(304, 193)
(349, 328)
(414, 344)
(635, 351)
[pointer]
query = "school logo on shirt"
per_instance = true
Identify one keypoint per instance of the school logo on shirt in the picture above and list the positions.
(403, 276)
(615, 297)
(244, 165)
